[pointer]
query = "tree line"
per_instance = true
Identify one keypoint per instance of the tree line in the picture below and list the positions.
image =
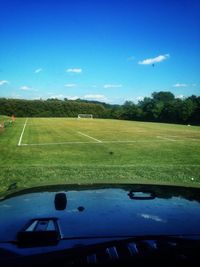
(160, 107)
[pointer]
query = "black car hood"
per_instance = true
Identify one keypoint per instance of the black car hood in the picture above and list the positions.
(105, 210)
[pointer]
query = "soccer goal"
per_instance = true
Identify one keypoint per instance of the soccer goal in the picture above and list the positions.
(85, 116)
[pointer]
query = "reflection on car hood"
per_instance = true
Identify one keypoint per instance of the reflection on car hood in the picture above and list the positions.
(105, 210)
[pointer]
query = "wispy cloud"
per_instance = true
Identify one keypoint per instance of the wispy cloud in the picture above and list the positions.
(38, 70)
(2, 82)
(17, 96)
(70, 85)
(180, 85)
(25, 88)
(112, 86)
(150, 61)
(74, 70)
(95, 97)
(59, 96)
(28, 88)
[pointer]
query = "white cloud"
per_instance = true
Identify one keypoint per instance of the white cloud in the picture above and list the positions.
(60, 96)
(139, 98)
(180, 85)
(74, 70)
(112, 86)
(38, 70)
(57, 96)
(16, 96)
(154, 60)
(25, 88)
(184, 85)
(2, 82)
(70, 85)
(72, 97)
(180, 96)
(28, 88)
(95, 97)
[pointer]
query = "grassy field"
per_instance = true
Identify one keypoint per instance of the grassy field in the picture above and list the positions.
(39, 151)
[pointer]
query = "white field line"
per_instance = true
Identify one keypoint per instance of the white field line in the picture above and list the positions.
(166, 138)
(101, 142)
(141, 141)
(20, 139)
(90, 137)
(77, 142)
(174, 136)
(186, 138)
(59, 143)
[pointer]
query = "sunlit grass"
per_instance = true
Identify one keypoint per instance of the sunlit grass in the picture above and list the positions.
(127, 152)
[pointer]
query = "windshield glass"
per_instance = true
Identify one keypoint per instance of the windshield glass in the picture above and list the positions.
(95, 92)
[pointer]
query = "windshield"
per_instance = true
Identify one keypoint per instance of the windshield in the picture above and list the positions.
(99, 133)
(99, 92)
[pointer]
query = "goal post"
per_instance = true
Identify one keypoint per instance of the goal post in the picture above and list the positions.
(1, 124)
(85, 116)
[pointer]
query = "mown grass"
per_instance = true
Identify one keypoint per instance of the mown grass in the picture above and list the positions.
(159, 153)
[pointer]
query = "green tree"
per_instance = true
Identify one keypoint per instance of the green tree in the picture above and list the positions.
(163, 96)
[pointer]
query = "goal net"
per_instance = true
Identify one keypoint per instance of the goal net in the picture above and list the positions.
(85, 116)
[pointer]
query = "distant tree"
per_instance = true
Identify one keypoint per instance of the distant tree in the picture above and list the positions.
(129, 111)
(195, 116)
(163, 96)
(161, 106)
(185, 110)
(147, 105)
(169, 112)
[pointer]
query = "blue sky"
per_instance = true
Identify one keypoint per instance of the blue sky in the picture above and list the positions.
(109, 51)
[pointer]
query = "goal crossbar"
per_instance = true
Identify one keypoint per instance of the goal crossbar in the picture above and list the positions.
(85, 116)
